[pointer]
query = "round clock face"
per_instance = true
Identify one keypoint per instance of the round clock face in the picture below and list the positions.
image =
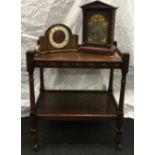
(59, 36)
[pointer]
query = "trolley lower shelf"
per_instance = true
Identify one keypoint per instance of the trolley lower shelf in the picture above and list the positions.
(76, 105)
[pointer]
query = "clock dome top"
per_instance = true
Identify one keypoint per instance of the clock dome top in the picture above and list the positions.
(98, 4)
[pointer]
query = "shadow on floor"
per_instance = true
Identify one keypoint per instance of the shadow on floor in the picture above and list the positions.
(77, 138)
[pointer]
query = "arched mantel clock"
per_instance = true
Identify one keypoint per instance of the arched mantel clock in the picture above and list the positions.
(58, 38)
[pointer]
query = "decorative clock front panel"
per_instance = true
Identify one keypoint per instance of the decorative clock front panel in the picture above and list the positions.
(97, 28)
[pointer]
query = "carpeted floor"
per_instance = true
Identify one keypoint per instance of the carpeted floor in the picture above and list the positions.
(77, 138)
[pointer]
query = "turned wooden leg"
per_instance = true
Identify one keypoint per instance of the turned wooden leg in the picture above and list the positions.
(118, 130)
(110, 89)
(119, 120)
(33, 117)
(41, 79)
(118, 133)
(34, 132)
(120, 112)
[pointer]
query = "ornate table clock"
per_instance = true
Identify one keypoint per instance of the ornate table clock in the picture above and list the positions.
(98, 28)
(58, 38)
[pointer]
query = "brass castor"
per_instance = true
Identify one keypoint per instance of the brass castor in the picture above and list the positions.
(119, 147)
(35, 147)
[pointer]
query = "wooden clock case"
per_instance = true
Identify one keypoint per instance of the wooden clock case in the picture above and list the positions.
(108, 12)
(44, 45)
